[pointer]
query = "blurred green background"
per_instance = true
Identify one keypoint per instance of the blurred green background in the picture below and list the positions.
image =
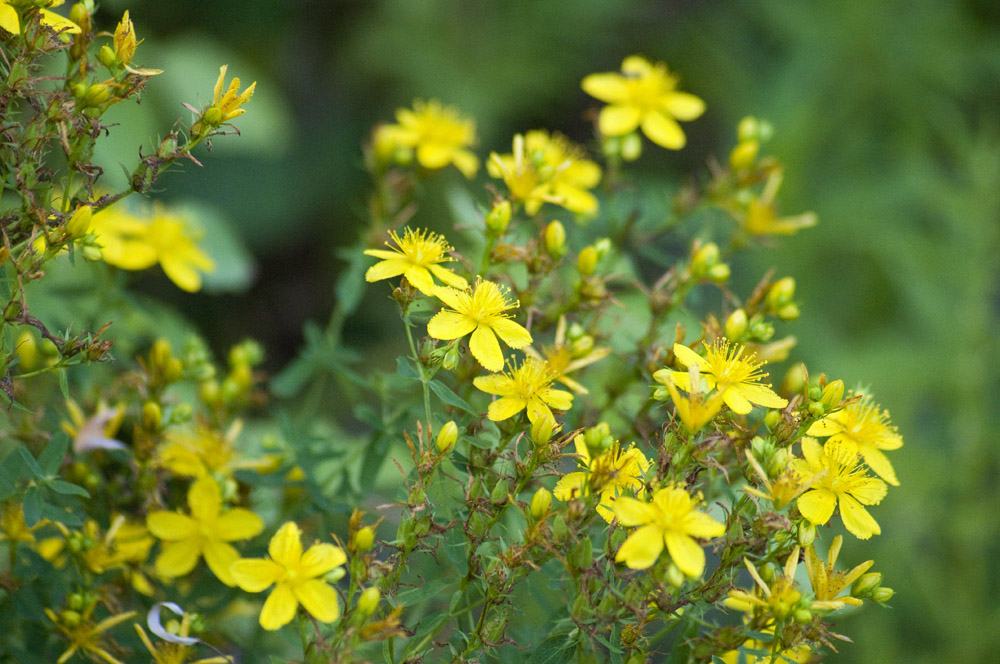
(887, 115)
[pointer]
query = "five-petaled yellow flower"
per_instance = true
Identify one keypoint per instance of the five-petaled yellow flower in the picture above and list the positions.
(863, 427)
(480, 310)
(761, 216)
(644, 95)
(10, 21)
(438, 134)
(725, 368)
(416, 257)
(779, 599)
(227, 105)
(610, 474)
(696, 409)
(670, 520)
(837, 477)
(525, 387)
(296, 576)
(564, 358)
(131, 242)
(547, 169)
(827, 582)
(206, 532)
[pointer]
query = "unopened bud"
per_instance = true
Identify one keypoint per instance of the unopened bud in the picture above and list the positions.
(748, 129)
(96, 94)
(675, 577)
(152, 416)
(736, 325)
(446, 437)
(79, 223)
(718, 273)
(541, 430)
(806, 534)
(498, 217)
(540, 503)
(781, 293)
(167, 147)
(106, 56)
(788, 311)
(212, 116)
(771, 419)
(883, 595)
(27, 350)
(705, 257)
(368, 601)
(364, 539)
(92, 253)
(866, 585)
(181, 413)
(555, 239)
(802, 616)
(743, 155)
(450, 359)
(631, 147)
(79, 14)
(586, 262)
(833, 393)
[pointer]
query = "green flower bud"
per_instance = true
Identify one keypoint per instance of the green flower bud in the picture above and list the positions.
(212, 116)
(806, 534)
(27, 350)
(80, 15)
(802, 616)
(106, 56)
(541, 430)
(368, 601)
(631, 147)
(70, 618)
(555, 239)
(748, 129)
(781, 293)
(96, 94)
(581, 609)
(540, 503)
(559, 529)
(498, 217)
(883, 595)
(675, 577)
(446, 437)
(586, 262)
(79, 223)
(706, 256)
(736, 325)
(582, 346)
(833, 393)
(771, 419)
(788, 311)
(816, 409)
(450, 359)
(364, 539)
(866, 585)
(718, 273)
(181, 413)
(152, 416)
(743, 155)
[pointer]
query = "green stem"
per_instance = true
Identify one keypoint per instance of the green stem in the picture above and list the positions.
(424, 375)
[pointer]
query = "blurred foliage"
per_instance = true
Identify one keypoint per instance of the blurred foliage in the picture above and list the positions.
(887, 118)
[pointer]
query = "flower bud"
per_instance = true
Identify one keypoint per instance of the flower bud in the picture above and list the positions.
(364, 539)
(743, 155)
(79, 223)
(705, 257)
(80, 15)
(586, 262)
(167, 147)
(883, 595)
(541, 430)
(152, 416)
(781, 293)
(833, 393)
(560, 530)
(95, 95)
(718, 273)
(736, 325)
(675, 577)
(555, 239)
(498, 218)
(748, 129)
(106, 56)
(450, 359)
(92, 253)
(806, 534)
(181, 413)
(631, 147)
(802, 616)
(446, 437)
(27, 350)
(866, 585)
(368, 601)
(771, 419)
(212, 116)
(788, 311)
(124, 40)
(540, 503)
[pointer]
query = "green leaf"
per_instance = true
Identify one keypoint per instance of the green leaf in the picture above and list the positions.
(553, 650)
(30, 462)
(446, 395)
(32, 506)
(64, 384)
(54, 453)
(7, 487)
(67, 489)
(60, 514)
(406, 368)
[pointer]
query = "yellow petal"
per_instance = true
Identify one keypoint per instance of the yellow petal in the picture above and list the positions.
(9, 20)
(286, 545)
(513, 334)
(688, 358)
(558, 399)
(817, 505)
(571, 486)
(664, 131)
(466, 162)
(279, 609)
(869, 491)
(576, 199)
(255, 574)
(618, 120)
(485, 348)
(448, 277)
(857, 520)
(497, 383)
(642, 548)
(632, 512)
(171, 525)
(686, 553)
(609, 87)
(827, 426)
(880, 465)
(59, 23)
(421, 279)
(448, 325)
(684, 106)
(320, 559)
(182, 273)
(505, 407)
(434, 155)
(237, 524)
(205, 499)
(220, 558)
(536, 409)
(761, 395)
(319, 599)
(699, 524)
(387, 269)
(735, 400)
(178, 558)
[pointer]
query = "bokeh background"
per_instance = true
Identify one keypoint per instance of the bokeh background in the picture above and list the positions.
(887, 116)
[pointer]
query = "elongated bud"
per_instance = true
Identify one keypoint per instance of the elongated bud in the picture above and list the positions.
(806, 534)
(540, 503)
(95, 95)
(79, 14)
(446, 437)
(781, 293)
(743, 155)
(450, 359)
(586, 262)
(883, 595)
(364, 539)
(106, 56)
(498, 217)
(152, 416)
(541, 430)
(27, 350)
(866, 585)
(555, 239)
(833, 393)
(736, 325)
(704, 259)
(675, 577)
(79, 223)
(368, 601)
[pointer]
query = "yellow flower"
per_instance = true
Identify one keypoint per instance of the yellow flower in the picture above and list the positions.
(229, 102)
(725, 368)
(827, 582)
(547, 169)
(761, 217)
(12, 524)
(670, 519)
(438, 134)
(296, 577)
(416, 257)
(564, 358)
(84, 634)
(527, 386)
(124, 40)
(759, 652)
(643, 96)
(205, 451)
(131, 242)
(609, 475)
(206, 532)
(783, 490)
(863, 427)
(780, 599)
(177, 651)
(695, 409)
(10, 21)
(481, 311)
(837, 478)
